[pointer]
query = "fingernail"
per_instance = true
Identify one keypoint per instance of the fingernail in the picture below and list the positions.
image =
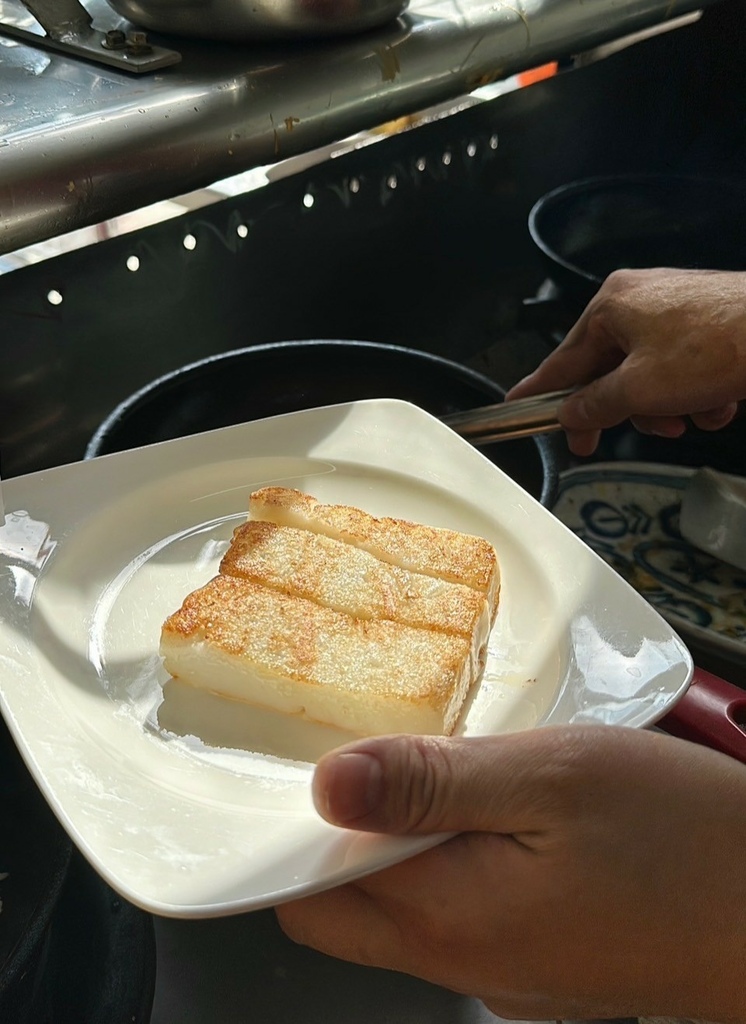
(353, 786)
(573, 413)
(580, 407)
(523, 380)
(669, 432)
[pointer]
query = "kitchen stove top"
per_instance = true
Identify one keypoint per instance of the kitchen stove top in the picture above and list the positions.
(419, 240)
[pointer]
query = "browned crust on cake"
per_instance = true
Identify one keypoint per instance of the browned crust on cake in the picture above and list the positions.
(316, 647)
(447, 554)
(351, 580)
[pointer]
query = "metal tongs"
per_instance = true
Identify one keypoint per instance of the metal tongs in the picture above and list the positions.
(508, 420)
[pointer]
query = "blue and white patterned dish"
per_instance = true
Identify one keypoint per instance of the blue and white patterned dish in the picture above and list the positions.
(628, 512)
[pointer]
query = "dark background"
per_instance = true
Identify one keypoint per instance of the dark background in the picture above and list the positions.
(439, 263)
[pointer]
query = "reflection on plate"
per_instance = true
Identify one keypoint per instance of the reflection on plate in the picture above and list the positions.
(629, 513)
(218, 722)
(96, 554)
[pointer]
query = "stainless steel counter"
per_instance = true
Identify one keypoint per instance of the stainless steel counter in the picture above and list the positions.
(80, 143)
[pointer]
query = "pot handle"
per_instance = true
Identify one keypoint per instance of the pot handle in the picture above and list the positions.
(711, 712)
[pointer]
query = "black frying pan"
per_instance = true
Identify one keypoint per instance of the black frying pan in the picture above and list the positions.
(587, 229)
(267, 380)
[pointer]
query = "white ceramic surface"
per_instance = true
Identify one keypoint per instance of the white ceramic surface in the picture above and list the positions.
(96, 554)
(628, 512)
(713, 515)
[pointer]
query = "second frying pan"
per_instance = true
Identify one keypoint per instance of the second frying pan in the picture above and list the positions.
(588, 228)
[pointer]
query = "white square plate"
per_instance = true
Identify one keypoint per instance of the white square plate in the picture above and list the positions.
(96, 554)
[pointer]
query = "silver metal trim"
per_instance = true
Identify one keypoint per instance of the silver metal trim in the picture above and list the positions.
(508, 420)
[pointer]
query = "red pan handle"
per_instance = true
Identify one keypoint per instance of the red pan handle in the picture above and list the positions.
(711, 712)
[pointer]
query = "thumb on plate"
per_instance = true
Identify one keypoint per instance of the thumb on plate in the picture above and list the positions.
(421, 785)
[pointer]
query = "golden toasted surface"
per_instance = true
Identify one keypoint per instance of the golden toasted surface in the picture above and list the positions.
(351, 580)
(337, 668)
(446, 554)
(328, 613)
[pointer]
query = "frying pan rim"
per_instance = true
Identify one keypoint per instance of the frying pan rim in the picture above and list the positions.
(544, 445)
(590, 184)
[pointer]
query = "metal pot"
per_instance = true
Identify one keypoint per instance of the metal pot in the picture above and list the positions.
(259, 19)
(588, 228)
(267, 380)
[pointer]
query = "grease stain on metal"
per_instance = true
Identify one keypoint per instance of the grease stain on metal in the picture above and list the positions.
(388, 60)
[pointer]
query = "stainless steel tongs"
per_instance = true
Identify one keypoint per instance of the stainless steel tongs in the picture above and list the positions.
(507, 420)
